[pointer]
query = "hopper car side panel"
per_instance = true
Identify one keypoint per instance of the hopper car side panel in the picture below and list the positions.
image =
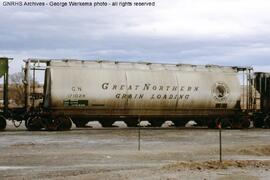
(104, 91)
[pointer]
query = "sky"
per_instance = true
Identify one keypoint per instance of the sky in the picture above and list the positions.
(222, 32)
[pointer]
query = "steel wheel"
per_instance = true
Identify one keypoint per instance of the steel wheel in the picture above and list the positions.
(156, 123)
(106, 123)
(133, 123)
(3, 123)
(34, 123)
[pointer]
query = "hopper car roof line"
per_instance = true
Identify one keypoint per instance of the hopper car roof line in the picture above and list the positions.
(3, 57)
(236, 68)
(263, 74)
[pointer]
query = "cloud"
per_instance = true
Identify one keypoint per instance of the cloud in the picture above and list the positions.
(226, 32)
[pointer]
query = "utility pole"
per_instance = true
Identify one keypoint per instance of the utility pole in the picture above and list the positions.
(139, 134)
(220, 141)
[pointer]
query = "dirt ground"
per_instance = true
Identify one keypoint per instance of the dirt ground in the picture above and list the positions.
(166, 153)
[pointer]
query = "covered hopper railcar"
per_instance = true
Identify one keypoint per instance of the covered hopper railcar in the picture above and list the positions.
(108, 91)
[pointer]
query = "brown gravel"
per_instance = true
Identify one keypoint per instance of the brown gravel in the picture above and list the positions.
(214, 165)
